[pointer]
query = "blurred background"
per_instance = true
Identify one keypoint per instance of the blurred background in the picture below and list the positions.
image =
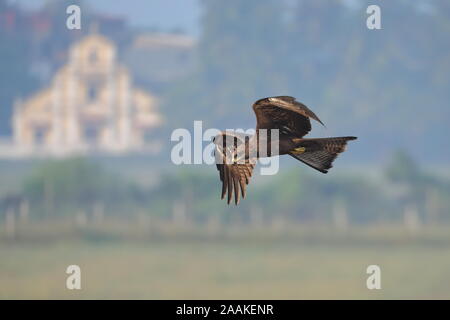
(85, 170)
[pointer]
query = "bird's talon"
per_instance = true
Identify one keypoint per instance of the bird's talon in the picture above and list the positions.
(299, 150)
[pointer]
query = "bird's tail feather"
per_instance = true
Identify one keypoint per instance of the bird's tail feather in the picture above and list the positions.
(319, 153)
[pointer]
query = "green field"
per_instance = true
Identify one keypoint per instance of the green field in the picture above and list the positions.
(224, 269)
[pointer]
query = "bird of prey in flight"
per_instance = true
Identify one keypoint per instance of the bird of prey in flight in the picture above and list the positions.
(236, 153)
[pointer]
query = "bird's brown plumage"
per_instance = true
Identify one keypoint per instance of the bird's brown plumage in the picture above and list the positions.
(284, 113)
(234, 176)
(292, 118)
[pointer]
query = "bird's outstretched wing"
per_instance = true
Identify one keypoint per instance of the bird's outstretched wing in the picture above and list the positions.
(284, 113)
(234, 167)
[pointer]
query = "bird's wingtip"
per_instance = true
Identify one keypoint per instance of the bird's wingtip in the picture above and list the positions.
(320, 121)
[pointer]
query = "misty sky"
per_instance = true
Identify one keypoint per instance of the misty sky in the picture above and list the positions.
(165, 15)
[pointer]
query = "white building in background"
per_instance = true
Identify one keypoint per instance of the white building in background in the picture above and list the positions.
(90, 106)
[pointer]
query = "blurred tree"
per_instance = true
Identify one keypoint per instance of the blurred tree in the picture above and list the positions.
(62, 185)
(240, 59)
(369, 81)
(417, 184)
(403, 169)
(318, 36)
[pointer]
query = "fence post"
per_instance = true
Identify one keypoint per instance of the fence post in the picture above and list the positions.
(411, 218)
(256, 216)
(10, 224)
(81, 218)
(98, 212)
(179, 213)
(340, 216)
(24, 211)
(432, 206)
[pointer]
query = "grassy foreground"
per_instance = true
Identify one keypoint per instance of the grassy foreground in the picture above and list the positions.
(223, 270)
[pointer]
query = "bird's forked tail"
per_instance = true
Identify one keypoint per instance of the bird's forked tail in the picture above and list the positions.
(319, 153)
